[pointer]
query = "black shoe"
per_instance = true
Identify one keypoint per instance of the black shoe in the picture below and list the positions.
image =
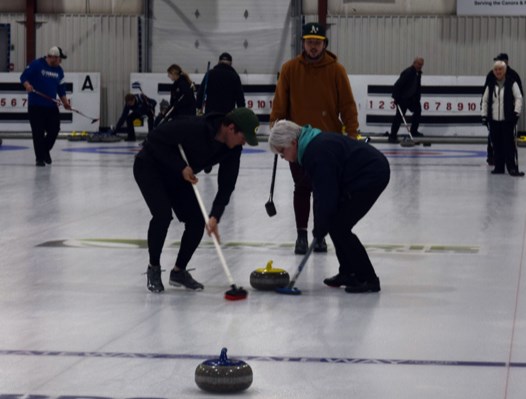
(184, 278)
(417, 134)
(356, 286)
(393, 140)
(320, 246)
(154, 282)
(497, 172)
(47, 159)
(301, 244)
(208, 169)
(338, 280)
(516, 173)
(39, 162)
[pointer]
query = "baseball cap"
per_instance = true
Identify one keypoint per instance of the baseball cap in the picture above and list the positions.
(56, 52)
(501, 57)
(225, 57)
(247, 122)
(313, 31)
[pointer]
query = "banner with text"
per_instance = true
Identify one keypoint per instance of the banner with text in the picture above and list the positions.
(491, 7)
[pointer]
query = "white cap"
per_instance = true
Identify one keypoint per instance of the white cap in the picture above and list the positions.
(56, 52)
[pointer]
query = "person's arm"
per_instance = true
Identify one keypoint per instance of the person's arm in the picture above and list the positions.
(239, 94)
(226, 182)
(201, 93)
(517, 103)
(122, 118)
(484, 106)
(26, 78)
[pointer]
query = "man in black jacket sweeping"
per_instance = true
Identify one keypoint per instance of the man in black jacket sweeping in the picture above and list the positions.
(165, 181)
(406, 94)
(347, 178)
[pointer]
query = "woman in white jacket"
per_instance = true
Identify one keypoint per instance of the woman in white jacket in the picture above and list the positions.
(501, 107)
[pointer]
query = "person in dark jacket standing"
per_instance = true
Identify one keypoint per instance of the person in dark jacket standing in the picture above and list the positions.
(490, 79)
(406, 94)
(182, 96)
(137, 106)
(43, 79)
(347, 178)
(224, 90)
(501, 108)
(221, 90)
(165, 181)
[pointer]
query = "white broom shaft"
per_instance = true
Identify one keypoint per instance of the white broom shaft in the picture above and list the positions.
(207, 220)
(405, 123)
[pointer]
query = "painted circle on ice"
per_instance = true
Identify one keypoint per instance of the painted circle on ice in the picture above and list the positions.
(5, 147)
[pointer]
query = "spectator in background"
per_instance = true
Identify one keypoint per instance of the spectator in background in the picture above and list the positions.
(501, 108)
(406, 94)
(490, 79)
(43, 79)
(221, 90)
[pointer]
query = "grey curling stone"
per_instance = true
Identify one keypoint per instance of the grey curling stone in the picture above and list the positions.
(269, 278)
(223, 375)
(407, 142)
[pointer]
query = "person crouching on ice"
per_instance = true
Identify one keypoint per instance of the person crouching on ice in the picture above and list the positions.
(347, 178)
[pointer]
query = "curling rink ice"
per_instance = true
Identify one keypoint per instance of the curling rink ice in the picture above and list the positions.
(447, 239)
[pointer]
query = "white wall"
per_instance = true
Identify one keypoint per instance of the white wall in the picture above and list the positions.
(383, 7)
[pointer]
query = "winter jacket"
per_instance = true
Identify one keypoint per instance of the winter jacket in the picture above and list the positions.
(182, 98)
(316, 94)
(197, 137)
(143, 106)
(502, 102)
(339, 167)
(224, 91)
(408, 86)
(45, 79)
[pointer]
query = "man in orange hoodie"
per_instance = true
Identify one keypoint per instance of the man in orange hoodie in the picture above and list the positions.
(313, 89)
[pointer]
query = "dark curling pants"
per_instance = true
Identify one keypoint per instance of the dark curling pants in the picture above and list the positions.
(351, 254)
(302, 193)
(503, 139)
(413, 106)
(164, 192)
(43, 120)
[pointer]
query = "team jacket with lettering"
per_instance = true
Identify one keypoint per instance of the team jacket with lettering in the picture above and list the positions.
(45, 79)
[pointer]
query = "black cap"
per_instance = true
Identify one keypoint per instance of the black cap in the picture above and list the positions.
(501, 57)
(313, 31)
(225, 57)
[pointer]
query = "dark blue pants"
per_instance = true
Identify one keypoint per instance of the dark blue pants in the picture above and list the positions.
(45, 125)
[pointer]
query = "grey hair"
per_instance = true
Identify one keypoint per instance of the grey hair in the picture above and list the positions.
(282, 134)
(500, 63)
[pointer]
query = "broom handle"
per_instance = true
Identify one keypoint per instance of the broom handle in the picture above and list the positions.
(207, 219)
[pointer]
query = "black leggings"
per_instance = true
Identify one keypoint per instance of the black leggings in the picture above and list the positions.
(164, 192)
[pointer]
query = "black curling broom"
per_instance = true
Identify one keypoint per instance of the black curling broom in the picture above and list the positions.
(58, 102)
(235, 293)
(269, 206)
(290, 289)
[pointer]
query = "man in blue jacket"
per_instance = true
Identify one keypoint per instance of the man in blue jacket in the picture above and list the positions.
(347, 178)
(165, 181)
(43, 79)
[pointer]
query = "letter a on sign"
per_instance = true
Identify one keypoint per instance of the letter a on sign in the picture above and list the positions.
(87, 85)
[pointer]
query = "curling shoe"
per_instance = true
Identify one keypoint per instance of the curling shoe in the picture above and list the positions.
(338, 280)
(356, 286)
(516, 173)
(184, 278)
(417, 134)
(301, 243)
(393, 139)
(320, 245)
(154, 282)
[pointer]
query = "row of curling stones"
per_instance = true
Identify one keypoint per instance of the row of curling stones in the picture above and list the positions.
(223, 375)
(74, 136)
(269, 278)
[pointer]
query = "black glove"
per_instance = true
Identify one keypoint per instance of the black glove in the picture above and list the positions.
(515, 118)
(485, 121)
